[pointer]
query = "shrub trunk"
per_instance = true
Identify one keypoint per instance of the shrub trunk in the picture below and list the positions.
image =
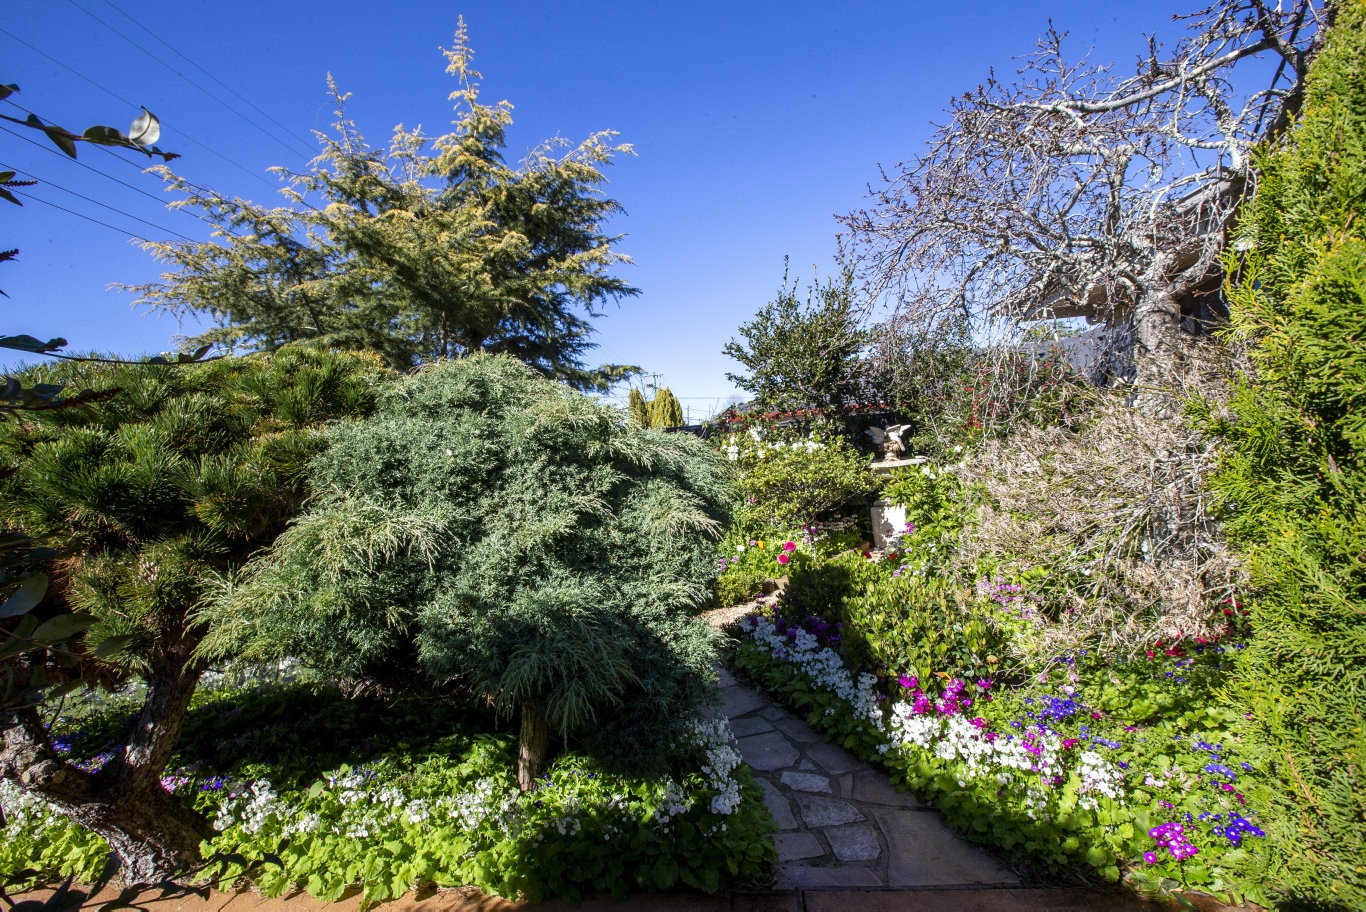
(533, 746)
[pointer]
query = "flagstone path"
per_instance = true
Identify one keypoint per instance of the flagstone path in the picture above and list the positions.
(848, 840)
(840, 822)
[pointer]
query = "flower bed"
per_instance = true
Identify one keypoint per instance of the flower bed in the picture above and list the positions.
(1126, 767)
(430, 810)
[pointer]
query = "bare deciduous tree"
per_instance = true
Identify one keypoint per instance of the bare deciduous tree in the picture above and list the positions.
(1076, 191)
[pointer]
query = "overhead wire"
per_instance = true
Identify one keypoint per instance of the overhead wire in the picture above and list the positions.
(301, 144)
(82, 215)
(234, 92)
(158, 200)
(56, 186)
(115, 95)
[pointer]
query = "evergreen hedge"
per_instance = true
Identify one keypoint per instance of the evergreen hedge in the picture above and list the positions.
(1293, 479)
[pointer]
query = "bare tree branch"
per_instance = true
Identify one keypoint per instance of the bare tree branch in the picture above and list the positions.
(1075, 191)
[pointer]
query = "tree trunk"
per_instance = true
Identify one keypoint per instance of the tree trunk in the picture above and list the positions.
(533, 746)
(153, 834)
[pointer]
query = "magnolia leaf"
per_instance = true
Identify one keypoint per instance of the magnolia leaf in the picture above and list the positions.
(31, 590)
(61, 628)
(104, 136)
(112, 646)
(10, 197)
(7, 89)
(61, 139)
(146, 130)
(6, 176)
(30, 344)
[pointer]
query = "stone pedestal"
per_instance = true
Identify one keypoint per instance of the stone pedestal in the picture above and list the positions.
(889, 521)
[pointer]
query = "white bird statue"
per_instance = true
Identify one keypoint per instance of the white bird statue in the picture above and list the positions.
(889, 438)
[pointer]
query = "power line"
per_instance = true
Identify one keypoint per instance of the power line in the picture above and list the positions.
(156, 199)
(77, 161)
(164, 64)
(57, 186)
(234, 92)
(115, 95)
(88, 218)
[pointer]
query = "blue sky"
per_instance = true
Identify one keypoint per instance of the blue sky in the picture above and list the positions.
(754, 124)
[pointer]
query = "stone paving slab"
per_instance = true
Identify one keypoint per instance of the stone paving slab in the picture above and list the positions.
(842, 824)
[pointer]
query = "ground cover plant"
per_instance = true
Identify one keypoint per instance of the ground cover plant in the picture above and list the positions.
(309, 789)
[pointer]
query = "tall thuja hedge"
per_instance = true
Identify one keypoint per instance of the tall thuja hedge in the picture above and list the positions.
(1294, 478)
(490, 529)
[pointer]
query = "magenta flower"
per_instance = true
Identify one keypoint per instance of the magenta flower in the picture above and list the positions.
(783, 557)
(1150, 857)
(789, 546)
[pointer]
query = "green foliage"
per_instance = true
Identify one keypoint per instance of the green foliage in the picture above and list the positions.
(316, 792)
(788, 480)
(937, 508)
(804, 355)
(1294, 477)
(664, 410)
(899, 623)
(184, 474)
(433, 249)
(637, 415)
(492, 529)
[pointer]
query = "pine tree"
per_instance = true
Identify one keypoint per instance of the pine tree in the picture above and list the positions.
(152, 496)
(433, 249)
(1294, 478)
(637, 411)
(664, 410)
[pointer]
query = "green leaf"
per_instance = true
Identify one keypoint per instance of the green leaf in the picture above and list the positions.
(104, 136)
(31, 590)
(112, 646)
(62, 628)
(30, 344)
(61, 139)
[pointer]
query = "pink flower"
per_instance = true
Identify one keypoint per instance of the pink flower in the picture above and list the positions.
(789, 546)
(783, 557)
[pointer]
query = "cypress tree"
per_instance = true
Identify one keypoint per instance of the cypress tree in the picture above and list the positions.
(637, 412)
(664, 410)
(1294, 479)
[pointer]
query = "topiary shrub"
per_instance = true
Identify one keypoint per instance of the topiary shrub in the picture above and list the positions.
(492, 529)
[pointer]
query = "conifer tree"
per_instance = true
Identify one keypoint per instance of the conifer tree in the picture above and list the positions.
(491, 528)
(637, 411)
(150, 497)
(435, 248)
(665, 411)
(1294, 479)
